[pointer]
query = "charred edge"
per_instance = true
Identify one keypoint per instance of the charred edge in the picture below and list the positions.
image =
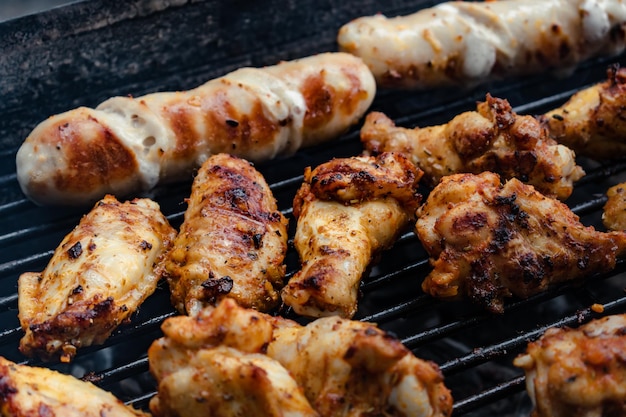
(214, 288)
(482, 290)
(7, 390)
(69, 323)
(75, 251)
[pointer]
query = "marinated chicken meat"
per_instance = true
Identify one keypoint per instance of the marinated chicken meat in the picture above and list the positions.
(614, 214)
(342, 367)
(348, 210)
(232, 242)
(578, 372)
(33, 391)
(352, 368)
(490, 241)
(593, 121)
(222, 381)
(492, 138)
(213, 364)
(97, 277)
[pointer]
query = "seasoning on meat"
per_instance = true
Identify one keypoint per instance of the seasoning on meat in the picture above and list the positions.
(490, 241)
(578, 372)
(593, 121)
(232, 242)
(614, 210)
(492, 138)
(34, 391)
(348, 210)
(330, 367)
(82, 296)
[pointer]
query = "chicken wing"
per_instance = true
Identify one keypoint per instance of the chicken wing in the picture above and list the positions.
(232, 242)
(614, 214)
(347, 211)
(491, 241)
(593, 121)
(34, 391)
(351, 368)
(492, 138)
(342, 367)
(222, 381)
(97, 277)
(578, 372)
(211, 364)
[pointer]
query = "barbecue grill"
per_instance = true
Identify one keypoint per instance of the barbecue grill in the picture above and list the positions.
(85, 52)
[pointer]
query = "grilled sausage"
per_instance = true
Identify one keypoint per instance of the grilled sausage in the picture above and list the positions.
(126, 145)
(468, 42)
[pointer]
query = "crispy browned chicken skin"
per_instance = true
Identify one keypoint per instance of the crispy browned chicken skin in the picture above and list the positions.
(490, 241)
(27, 391)
(97, 277)
(614, 214)
(578, 372)
(593, 121)
(492, 138)
(214, 364)
(232, 242)
(351, 368)
(343, 367)
(347, 211)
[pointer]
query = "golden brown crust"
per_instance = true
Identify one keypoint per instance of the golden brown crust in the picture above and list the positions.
(490, 241)
(92, 152)
(97, 277)
(492, 138)
(27, 391)
(614, 214)
(354, 180)
(232, 242)
(578, 372)
(593, 121)
(337, 364)
(348, 211)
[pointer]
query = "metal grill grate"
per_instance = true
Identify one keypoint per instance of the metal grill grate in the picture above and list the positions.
(474, 349)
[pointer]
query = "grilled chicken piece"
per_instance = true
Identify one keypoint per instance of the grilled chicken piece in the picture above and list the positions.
(351, 368)
(614, 215)
(213, 364)
(347, 210)
(32, 391)
(593, 121)
(342, 367)
(222, 381)
(491, 241)
(97, 277)
(232, 242)
(578, 372)
(492, 138)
